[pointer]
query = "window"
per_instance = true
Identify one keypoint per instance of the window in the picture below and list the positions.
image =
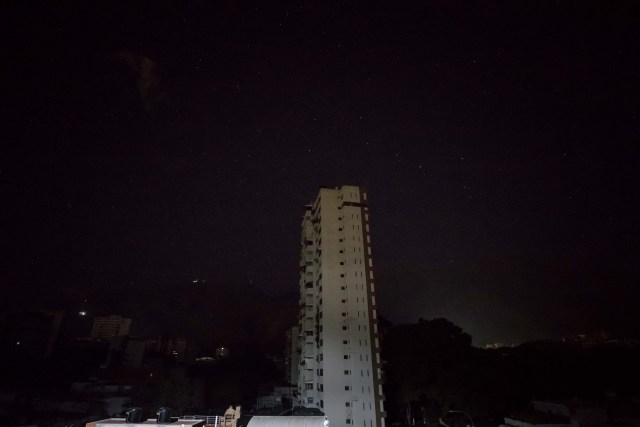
(308, 386)
(344, 314)
(347, 404)
(344, 301)
(348, 420)
(347, 388)
(346, 356)
(309, 399)
(342, 275)
(346, 372)
(341, 263)
(308, 333)
(345, 342)
(345, 327)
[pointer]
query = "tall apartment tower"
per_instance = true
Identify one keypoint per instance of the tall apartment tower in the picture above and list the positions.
(340, 369)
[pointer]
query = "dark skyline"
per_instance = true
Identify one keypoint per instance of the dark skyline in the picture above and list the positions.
(149, 145)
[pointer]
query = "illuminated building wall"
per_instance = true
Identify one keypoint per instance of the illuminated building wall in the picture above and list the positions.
(340, 370)
(110, 326)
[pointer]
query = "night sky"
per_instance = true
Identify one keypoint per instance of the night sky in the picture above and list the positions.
(149, 144)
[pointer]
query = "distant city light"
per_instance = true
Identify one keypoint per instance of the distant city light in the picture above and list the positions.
(82, 313)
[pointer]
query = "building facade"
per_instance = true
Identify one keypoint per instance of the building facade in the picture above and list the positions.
(110, 326)
(292, 356)
(339, 366)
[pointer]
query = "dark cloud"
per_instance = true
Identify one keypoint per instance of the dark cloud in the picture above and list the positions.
(147, 77)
